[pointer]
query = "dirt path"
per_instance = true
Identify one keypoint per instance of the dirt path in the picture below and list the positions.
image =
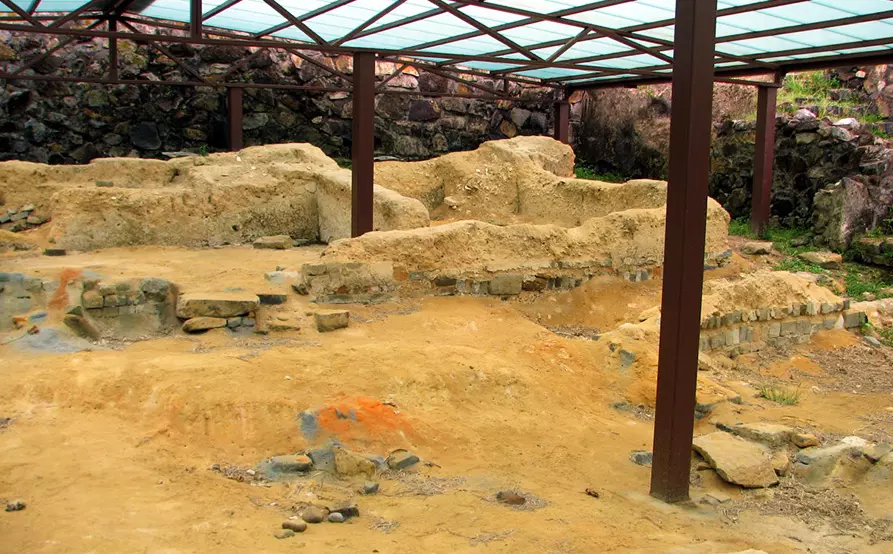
(111, 449)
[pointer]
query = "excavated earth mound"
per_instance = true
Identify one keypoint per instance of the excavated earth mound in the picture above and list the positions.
(521, 180)
(288, 189)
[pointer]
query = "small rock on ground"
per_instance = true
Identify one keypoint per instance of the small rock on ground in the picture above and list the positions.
(346, 510)
(804, 440)
(331, 320)
(873, 342)
(292, 463)
(335, 517)
(402, 459)
(196, 324)
(642, 457)
(736, 460)
(370, 487)
(772, 434)
(15, 506)
(313, 514)
(510, 498)
(272, 299)
(284, 534)
(825, 260)
(878, 451)
(276, 242)
(295, 525)
(757, 248)
(54, 252)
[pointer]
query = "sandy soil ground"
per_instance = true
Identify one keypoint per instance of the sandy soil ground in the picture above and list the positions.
(111, 449)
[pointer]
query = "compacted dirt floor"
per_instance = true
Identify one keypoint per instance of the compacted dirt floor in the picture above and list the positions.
(142, 446)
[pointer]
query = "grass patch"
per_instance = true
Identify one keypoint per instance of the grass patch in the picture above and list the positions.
(583, 172)
(861, 279)
(344, 163)
(740, 227)
(796, 265)
(784, 239)
(787, 397)
(886, 336)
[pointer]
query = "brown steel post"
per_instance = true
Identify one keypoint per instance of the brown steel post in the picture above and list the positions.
(234, 117)
(680, 325)
(113, 50)
(763, 160)
(562, 121)
(195, 18)
(362, 143)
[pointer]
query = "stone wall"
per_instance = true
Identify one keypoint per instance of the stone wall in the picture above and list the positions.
(811, 156)
(67, 123)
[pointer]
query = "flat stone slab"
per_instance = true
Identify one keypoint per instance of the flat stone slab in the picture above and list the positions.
(772, 434)
(757, 248)
(736, 460)
(505, 285)
(220, 304)
(276, 242)
(331, 320)
(197, 324)
(849, 446)
(826, 260)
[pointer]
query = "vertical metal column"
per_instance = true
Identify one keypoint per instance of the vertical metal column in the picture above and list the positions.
(362, 143)
(195, 18)
(764, 156)
(562, 121)
(113, 49)
(680, 324)
(234, 118)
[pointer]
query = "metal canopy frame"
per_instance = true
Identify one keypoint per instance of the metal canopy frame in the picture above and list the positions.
(517, 59)
(694, 58)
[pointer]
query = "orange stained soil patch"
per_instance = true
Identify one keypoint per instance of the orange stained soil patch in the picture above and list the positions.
(790, 368)
(832, 340)
(362, 420)
(60, 297)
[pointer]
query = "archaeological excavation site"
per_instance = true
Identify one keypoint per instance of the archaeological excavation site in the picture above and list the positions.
(445, 276)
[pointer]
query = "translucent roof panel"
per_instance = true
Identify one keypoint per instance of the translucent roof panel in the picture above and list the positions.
(569, 41)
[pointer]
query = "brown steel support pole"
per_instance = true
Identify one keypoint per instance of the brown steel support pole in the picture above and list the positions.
(562, 122)
(234, 117)
(362, 143)
(195, 18)
(680, 325)
(113, 50)
(764, 156)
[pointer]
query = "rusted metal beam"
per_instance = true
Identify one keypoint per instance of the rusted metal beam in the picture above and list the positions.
(764, 157)
(234, 118)
(113, 49)
(568, 45)
(163, 49)
(296, 22)
(70, 16)
(33, 6)
(455, 12)
(219, 9)
(680, 323)
(309, 15)
(384, 83)
(62, 44)
(362, 144)
(562, 129)
(369, 22)
(195, 18)
(21, 13)
(319, 64)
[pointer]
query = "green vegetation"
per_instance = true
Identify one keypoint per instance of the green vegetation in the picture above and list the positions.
(862, 278)
(780, 395)
(203, 150)
(345, 163)
(886, 336)
(795, 265)
(816, 86)
(583, 172)
(740, 227)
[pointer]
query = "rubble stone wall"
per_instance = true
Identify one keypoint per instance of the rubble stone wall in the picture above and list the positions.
(60, 123)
